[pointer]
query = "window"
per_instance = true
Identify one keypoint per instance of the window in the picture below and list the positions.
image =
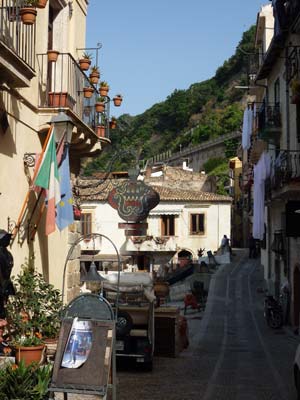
(197, 224)
(168, 225)
(86, 223)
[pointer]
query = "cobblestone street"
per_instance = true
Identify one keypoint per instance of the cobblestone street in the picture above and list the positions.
(233, 354)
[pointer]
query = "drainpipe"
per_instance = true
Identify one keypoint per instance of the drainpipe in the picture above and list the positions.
(287, 104)
(288, 145)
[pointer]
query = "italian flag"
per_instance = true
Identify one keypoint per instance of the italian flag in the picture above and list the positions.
(48, 178)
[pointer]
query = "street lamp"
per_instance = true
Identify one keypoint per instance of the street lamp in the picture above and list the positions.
(63, 125)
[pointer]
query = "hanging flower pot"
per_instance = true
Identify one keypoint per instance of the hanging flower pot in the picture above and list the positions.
(94, 75)
(113, 123)
(52, 55)
(88, 92)
(41, 3)
(100, 130)
(85, 61)
(28, 15)
(117, 100)
(100, 106)
(104, 88)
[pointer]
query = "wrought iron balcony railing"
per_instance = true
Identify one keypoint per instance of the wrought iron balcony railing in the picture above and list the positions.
(269, 122)
(285, 169)
(62, 85)
(16, 37)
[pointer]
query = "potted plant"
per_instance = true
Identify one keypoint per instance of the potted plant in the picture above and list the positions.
(28, 12)
(100, 130)
(295, 87)
(88, 92)
(113, 123)
(85, 61)
(25, 382)
(100, 104)
(32, 314)
(94, 75)
(52, 55)
(103, 89)
(117, 100)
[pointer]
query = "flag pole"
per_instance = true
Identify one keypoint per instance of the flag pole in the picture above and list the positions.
(34, 175)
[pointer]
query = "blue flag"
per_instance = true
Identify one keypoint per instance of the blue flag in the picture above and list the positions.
(64, 209)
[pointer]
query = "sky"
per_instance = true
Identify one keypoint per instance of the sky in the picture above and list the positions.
(151, 48)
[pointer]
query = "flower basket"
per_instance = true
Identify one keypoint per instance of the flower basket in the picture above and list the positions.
(28, 15)
(88, 92)
(52, 55)
(30, 354)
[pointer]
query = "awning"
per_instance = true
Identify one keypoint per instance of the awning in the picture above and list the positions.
(165, 212)
(103, 257)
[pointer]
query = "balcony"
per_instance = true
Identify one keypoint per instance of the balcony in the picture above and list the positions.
(285, 173)
(62, 86)
(163, 244)
(269, 123)
(17, 46)
(286, 22)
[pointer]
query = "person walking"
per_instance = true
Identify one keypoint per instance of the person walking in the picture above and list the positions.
(225, 244)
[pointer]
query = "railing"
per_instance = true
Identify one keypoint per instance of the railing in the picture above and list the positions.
(19, 38)
(62, 83)
(285, 168)
(168, 155)
(269, 122)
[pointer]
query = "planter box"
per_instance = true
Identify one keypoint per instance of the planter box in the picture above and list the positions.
(60, 99)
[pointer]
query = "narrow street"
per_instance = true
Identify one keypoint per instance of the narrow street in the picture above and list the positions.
(233, 354)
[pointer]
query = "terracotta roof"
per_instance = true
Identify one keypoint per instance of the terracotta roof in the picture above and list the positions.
(92, 190)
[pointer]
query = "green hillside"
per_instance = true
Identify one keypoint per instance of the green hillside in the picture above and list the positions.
(212, 108)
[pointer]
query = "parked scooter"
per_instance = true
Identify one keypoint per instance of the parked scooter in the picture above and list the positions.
(273, 312)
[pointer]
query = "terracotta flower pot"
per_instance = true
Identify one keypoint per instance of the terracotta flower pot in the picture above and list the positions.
(84, 64)
(99, 107)
(42, 3)
(52, 55)
(117, 101)
(28, 15)
(100, 131)
(103, 90)
(94, 77)
(29, 354)
(88, 92)
(112, 124)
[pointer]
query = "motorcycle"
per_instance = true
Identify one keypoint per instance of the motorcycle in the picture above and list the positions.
(273, 312)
